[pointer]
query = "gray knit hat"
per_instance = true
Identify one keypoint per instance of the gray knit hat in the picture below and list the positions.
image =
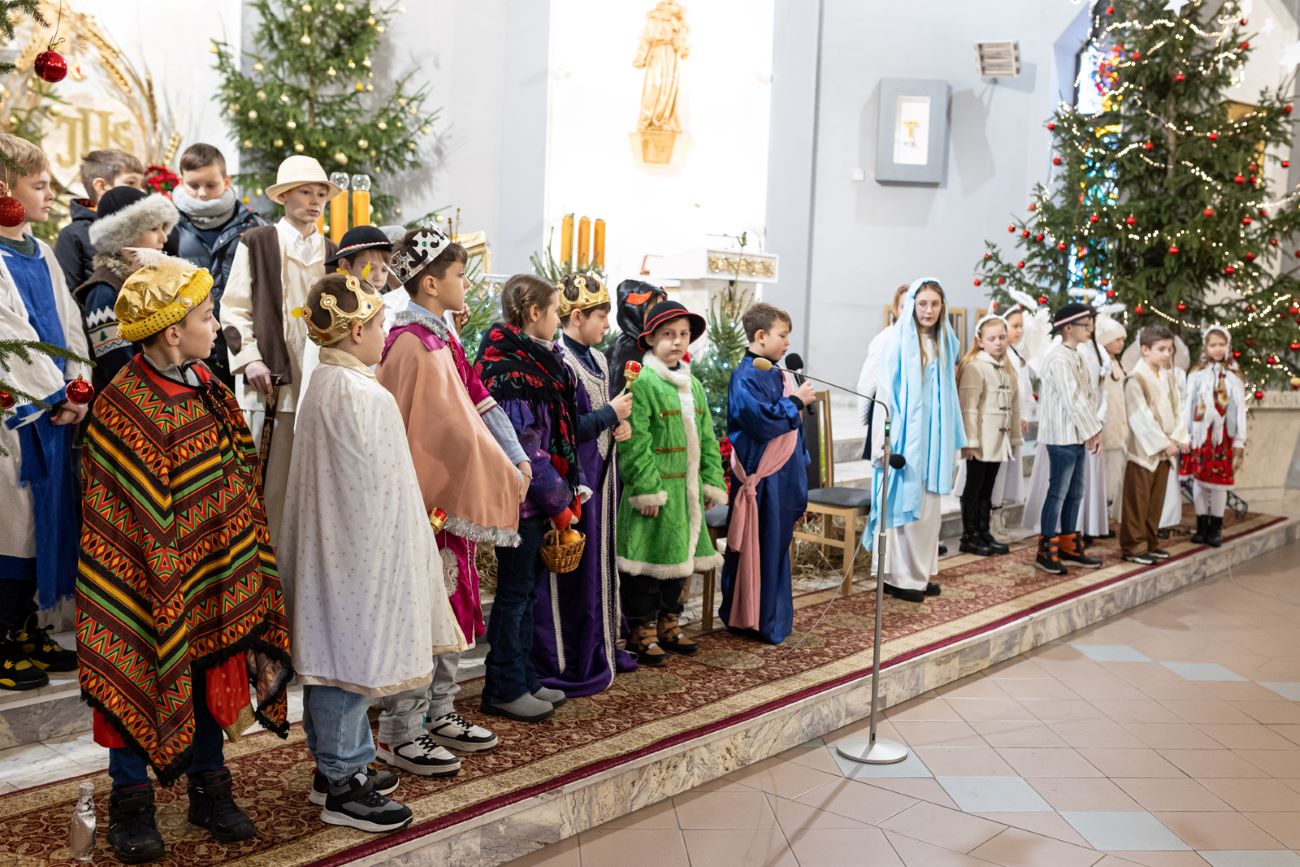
(124, 212)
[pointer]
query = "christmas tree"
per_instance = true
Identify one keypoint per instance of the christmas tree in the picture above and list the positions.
(1160, 199)
(311, 90)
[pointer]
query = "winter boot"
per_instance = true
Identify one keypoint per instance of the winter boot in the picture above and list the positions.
(1048, 556)
(1201, 536)
(971, 541)
(1214, 532)
(17, 670)
(1073, 551)
(46, 653)
(671, 637)
(213, 807)
(986, 520)
(132, 827)
(644, 645)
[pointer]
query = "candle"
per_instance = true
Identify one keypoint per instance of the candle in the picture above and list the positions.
(598, 246)
(339, 207)
(566, 239)
(320, 223)
(584, 242)
(360, 200)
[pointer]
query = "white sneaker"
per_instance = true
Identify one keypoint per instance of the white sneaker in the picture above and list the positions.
(420, 756)
(455, 732)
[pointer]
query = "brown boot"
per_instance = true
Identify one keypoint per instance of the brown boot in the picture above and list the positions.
(644, 644)
(672, 638)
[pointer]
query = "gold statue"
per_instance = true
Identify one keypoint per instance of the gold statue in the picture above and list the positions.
(662, 48)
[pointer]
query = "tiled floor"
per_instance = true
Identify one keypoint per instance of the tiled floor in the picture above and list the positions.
(1166, 737)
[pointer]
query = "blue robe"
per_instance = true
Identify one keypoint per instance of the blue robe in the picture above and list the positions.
(758, 412)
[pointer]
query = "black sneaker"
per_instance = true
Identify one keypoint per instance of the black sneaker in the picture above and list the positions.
(45, 652)
(213, 807)
(905, 595)
(17, 670)
(933, 589)
(1159, 554)
(383, 782)
(1140, 559)
(421, 756)
(355, 804)
(132, 825)
(455, 732)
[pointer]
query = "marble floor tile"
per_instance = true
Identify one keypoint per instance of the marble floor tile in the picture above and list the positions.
(1083, 794)
(783, 778)
(1037, 689)
(928, 707)
(1047, 824)
(1017, 848)
(730, 811)
(1202, 671)
(1017, 733)
(833, 847)
(1270, 712)
(943, 827)
(1256, 795)
(1286, 690)
(1145, 710)
(994, 795)
(1064, 711)
(1124, 831)
(21, 765)
(1283, 764)
(763, 848)
(655, 817)
(793, 817)
(1218, 831)
(640, 848)
(1212, 712)
(857, 801)
(1111, 652)
(952, 733)
(965, 761)
(1040, 762)
(920, 789)
(1282, 826)
(1097, 734)
(813, 754)
(971, 709)
(561, 854)
(918, 854)
(1247, 737)
(1252, 859)
(1171, 795)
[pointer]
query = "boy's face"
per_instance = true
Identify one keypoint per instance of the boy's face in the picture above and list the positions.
(773, 344)
(451, 287)
(671, 341)
(36, 194)
(99, 186)
(196, 333)
(377, 263)
(366, 341)
(1216, 347)
(207, 183)
(590, 325)
(1160, 354)
(303, 205)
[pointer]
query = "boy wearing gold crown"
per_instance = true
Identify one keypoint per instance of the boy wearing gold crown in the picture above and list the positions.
(179, 603)
(274, 268)
(347, 577)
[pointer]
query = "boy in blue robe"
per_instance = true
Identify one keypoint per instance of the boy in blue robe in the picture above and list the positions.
(769, 481)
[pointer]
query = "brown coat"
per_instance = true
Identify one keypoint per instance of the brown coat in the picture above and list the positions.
(990, 407)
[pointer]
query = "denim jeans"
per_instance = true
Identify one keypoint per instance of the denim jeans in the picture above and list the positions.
(1064, 490)
(338, 730)
(127, 768)
(509, 671)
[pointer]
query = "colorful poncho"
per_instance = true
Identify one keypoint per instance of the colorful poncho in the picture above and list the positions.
(177, 574)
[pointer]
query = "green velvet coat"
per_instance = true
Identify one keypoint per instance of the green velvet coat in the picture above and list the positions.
(671, 461)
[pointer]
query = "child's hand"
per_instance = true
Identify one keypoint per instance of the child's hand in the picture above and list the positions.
(1093, 443)
(1171, 450)
(460, 317)
(622, 405)
(68, 413)
(623, 432)
(967, 453)
(805, 394)
(525, 479)
(649, 511)
(258, 375)
(1238, 454)
(1024, 426)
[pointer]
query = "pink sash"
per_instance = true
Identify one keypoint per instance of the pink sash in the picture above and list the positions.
(742, 534)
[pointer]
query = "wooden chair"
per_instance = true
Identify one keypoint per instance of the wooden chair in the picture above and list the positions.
(824, 498)
(716, 520)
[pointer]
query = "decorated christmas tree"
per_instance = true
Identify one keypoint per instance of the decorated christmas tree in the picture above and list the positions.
(1160, 196)
(311, 90)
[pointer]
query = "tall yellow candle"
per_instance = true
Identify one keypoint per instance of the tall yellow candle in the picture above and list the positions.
(360, 200)
(566, 239)
(584, 242)
(598, 246)
(339, 207)
(320, 223)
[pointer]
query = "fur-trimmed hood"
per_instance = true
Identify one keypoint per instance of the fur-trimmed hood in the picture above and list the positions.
(110, 233)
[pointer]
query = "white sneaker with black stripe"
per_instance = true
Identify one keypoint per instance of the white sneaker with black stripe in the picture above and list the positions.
(455, 732)
(421, 756)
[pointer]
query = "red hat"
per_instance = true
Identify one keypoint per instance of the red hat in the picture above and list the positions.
(665, 312)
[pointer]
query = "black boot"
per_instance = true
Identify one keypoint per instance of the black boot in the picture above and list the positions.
(1214, 532)
(1049, 559)
(212, 807)
(1200, 537)
(132, 828)
(986, 520)
(45, 652)
(17, 670)
(971, 543)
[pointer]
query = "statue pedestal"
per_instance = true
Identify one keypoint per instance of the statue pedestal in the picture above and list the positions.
(654, 147)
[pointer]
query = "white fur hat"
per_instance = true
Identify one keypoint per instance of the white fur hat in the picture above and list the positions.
(124, 212)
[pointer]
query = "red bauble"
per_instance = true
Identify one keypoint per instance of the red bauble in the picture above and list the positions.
(1293, 310)
(1011, 229)
(1020, 264)
(1093, 218)
(1259, 395)
(1173, 251)
(1244, 22)
(1180, 78)
(1250, 308)
(1042, 299)
(1040, 236)
(1250, 257)
(1272, 242)
(12, 212)
(1250, 341)
(1025, 233)
(1229, 270)
(1002, 281)
(1033, 206)
(1137, 55)
(1295, 345)
(6, 400)
(1213, 136)
(1149, 146)
(1110, 294)
(1056, 161)
(1051, 126)
(1238, 179)
(1286, 164)
(1110, 10)
(1263, 212)
(1104, 282)
(1061, 246)
(1130, 220)
(50, 66)
(79, 391)
(1139, 309)
(1182, 308)
(1245, 221)
(1209, 212)
(987, 256)
(1245, 46)
(1253, 168)
(1236, 353)
(978, 281)
(1286, 109)
(1272, 359)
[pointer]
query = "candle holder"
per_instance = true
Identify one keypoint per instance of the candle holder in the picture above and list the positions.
(339, 207)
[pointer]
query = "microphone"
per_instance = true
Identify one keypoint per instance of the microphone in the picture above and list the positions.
(794, 362)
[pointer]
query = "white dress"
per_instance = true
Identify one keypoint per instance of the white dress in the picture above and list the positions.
(1094, 517)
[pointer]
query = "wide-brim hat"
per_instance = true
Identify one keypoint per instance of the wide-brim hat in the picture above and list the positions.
(297, 171)
(358, 239)
(665, 312)
(125, 212)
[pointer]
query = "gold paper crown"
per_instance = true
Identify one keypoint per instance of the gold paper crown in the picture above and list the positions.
(158, 295)
(587, 296)
(341, 321)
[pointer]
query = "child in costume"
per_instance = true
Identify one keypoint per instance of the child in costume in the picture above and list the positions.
(1111, 336)
(1069, 427)
(577, 615)
(1216, 419)
(635, 299)
(261, 314)
(179, 604)
(467, 457)
(917, 382)
(990, 406)
(1094, 511)
(769, 465)
(126, 220)
(1157, 432)
(366, 253)
(672, 472)
(101, 171)
(356, 548)
(524, 370)
(38, 535)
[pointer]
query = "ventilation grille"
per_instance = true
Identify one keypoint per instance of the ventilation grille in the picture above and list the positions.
(998, 59)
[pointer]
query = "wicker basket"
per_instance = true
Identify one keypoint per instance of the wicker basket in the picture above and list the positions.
(560, 558)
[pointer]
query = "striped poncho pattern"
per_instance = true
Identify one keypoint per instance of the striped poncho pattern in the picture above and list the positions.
(177, 573)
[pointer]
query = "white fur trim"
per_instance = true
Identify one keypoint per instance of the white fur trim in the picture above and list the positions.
(640, 501)
(668, 571)
(113, 233)
(679, 377)
(717, 496)
(584, 494)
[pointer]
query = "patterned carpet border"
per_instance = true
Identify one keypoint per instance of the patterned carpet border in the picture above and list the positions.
(729, 682)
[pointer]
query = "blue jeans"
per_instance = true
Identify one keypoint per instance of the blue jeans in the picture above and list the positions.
(338, 731)
(508, 670)
(1064, 490)
(127, 768)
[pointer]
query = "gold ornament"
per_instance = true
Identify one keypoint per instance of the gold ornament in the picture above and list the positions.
(278, 143)
(360, 87)
(252, 114)
(305, 39)
(363, 144)
(297, 147)
(261, 95)
(291, 124)
(341, 158)
(352, 64)
(331, 72)
(382, 126)
(248, 142)
(258, 67)
(339, 7)
(322, 143)
(306, 7)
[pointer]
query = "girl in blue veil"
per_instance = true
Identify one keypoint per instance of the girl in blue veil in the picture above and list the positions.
(917, 381)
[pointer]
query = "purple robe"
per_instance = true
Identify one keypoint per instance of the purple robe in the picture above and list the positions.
(577, 614)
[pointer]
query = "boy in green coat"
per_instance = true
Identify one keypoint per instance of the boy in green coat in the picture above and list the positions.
(671, 472)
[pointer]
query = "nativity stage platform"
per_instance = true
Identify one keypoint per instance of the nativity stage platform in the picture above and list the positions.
(655, 733)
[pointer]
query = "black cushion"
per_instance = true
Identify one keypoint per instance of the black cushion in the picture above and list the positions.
(717, 517)
(843, 498)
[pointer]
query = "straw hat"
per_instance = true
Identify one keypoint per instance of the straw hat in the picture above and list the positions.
(296, 171)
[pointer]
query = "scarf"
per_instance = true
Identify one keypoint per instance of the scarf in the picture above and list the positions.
(513, 366)
(211, 214)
